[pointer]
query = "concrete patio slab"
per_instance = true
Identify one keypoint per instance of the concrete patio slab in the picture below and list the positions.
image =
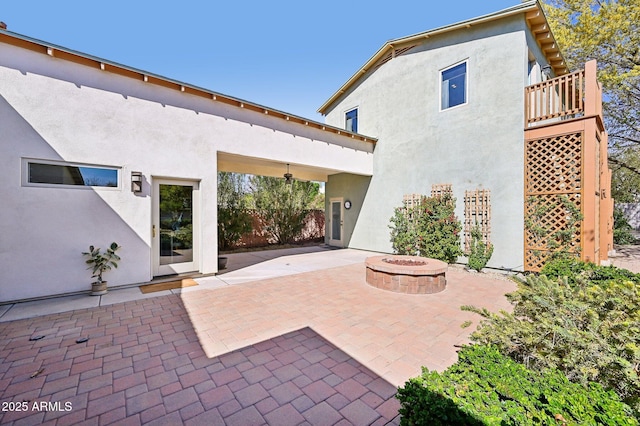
(273, 264)
(627, 257)
(242, 260)
(259, 265)
(54, 305)
(120, 295)
(4, 309)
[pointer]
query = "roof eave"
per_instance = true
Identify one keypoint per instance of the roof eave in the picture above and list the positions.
(71, 55)
(526, 8)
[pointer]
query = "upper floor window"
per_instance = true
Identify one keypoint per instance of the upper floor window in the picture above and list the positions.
(454, 86)
(351, 120)
(53, 173)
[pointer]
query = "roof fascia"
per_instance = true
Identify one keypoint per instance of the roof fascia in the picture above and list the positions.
(59, 52)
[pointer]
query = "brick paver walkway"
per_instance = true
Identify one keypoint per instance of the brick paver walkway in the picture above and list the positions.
(393, 334)
(315, 348)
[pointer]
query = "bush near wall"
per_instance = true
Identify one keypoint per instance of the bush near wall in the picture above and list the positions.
(313, 230)
(429, 229)
(487, 388)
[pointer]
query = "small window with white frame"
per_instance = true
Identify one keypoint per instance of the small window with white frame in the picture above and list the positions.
(453, 91)
(63, 174)
(351, 120)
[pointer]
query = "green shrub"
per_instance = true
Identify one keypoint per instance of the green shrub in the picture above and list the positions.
(479, 251)
(486, 388)
(430, 229)
(622, 229)
(283, 206)
(588, 330)
(574, 269)
(233, 223)
(403, 236)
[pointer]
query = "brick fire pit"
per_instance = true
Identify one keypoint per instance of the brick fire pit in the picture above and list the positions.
(406, 274)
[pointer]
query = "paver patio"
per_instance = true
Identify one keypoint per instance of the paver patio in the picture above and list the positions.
(319, 347)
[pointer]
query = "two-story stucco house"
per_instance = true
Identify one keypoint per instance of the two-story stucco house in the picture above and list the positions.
(450, 111)
(95, 151)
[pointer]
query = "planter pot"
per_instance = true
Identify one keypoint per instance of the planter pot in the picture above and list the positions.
(98, 289)
(222, 263)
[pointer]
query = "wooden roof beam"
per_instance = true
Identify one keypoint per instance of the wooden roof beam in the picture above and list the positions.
(539, 28)
(533, 14)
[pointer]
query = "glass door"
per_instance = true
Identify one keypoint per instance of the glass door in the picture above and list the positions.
(175, 227)
(335, 223)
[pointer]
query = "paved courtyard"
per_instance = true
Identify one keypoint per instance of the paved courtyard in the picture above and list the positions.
(319, 347)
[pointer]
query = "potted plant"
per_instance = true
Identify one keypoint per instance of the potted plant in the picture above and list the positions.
(99, 263)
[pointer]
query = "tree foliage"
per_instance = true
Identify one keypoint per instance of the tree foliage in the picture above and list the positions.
(283, 207)
(608, 31)
(233, 218)
(622, 229)
(625, 179)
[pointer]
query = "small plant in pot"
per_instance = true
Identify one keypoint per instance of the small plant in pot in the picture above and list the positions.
(99, 263)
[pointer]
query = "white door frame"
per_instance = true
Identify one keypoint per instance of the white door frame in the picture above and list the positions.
(183, 267)
(336, 242)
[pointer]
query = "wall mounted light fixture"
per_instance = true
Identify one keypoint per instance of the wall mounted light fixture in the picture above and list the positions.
(136, 182)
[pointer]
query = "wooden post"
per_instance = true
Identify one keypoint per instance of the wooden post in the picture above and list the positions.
(592, 90)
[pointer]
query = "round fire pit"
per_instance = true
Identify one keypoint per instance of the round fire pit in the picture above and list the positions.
(406, 274)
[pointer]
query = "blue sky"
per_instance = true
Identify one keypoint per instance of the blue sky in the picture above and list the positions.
(288, 55)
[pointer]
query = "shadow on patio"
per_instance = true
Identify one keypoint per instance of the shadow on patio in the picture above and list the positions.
(143, 362)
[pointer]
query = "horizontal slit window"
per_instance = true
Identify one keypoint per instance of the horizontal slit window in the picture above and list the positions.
(71, 175)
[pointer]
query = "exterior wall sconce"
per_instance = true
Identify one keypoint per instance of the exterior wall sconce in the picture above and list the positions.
(136, 182)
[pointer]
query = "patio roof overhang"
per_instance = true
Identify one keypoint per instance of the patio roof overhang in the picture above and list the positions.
(265, 167)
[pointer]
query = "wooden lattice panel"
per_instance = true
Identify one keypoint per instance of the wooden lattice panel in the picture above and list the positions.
(410, 201)
(553, 169)
(554, 165)
(477, 212)
(439, 189)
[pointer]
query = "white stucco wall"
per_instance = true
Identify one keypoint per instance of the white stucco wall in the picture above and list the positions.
(52, 109)
(477, 145)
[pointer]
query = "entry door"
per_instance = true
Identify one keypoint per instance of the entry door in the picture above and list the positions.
(175, 226)
(336, 222)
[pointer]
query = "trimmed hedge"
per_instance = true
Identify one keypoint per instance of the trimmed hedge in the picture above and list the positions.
(487, 388)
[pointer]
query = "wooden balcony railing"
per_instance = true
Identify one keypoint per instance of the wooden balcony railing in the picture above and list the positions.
(558, 98)
(569, 96)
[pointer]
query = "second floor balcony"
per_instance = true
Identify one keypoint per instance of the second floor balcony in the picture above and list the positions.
(567, 97)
